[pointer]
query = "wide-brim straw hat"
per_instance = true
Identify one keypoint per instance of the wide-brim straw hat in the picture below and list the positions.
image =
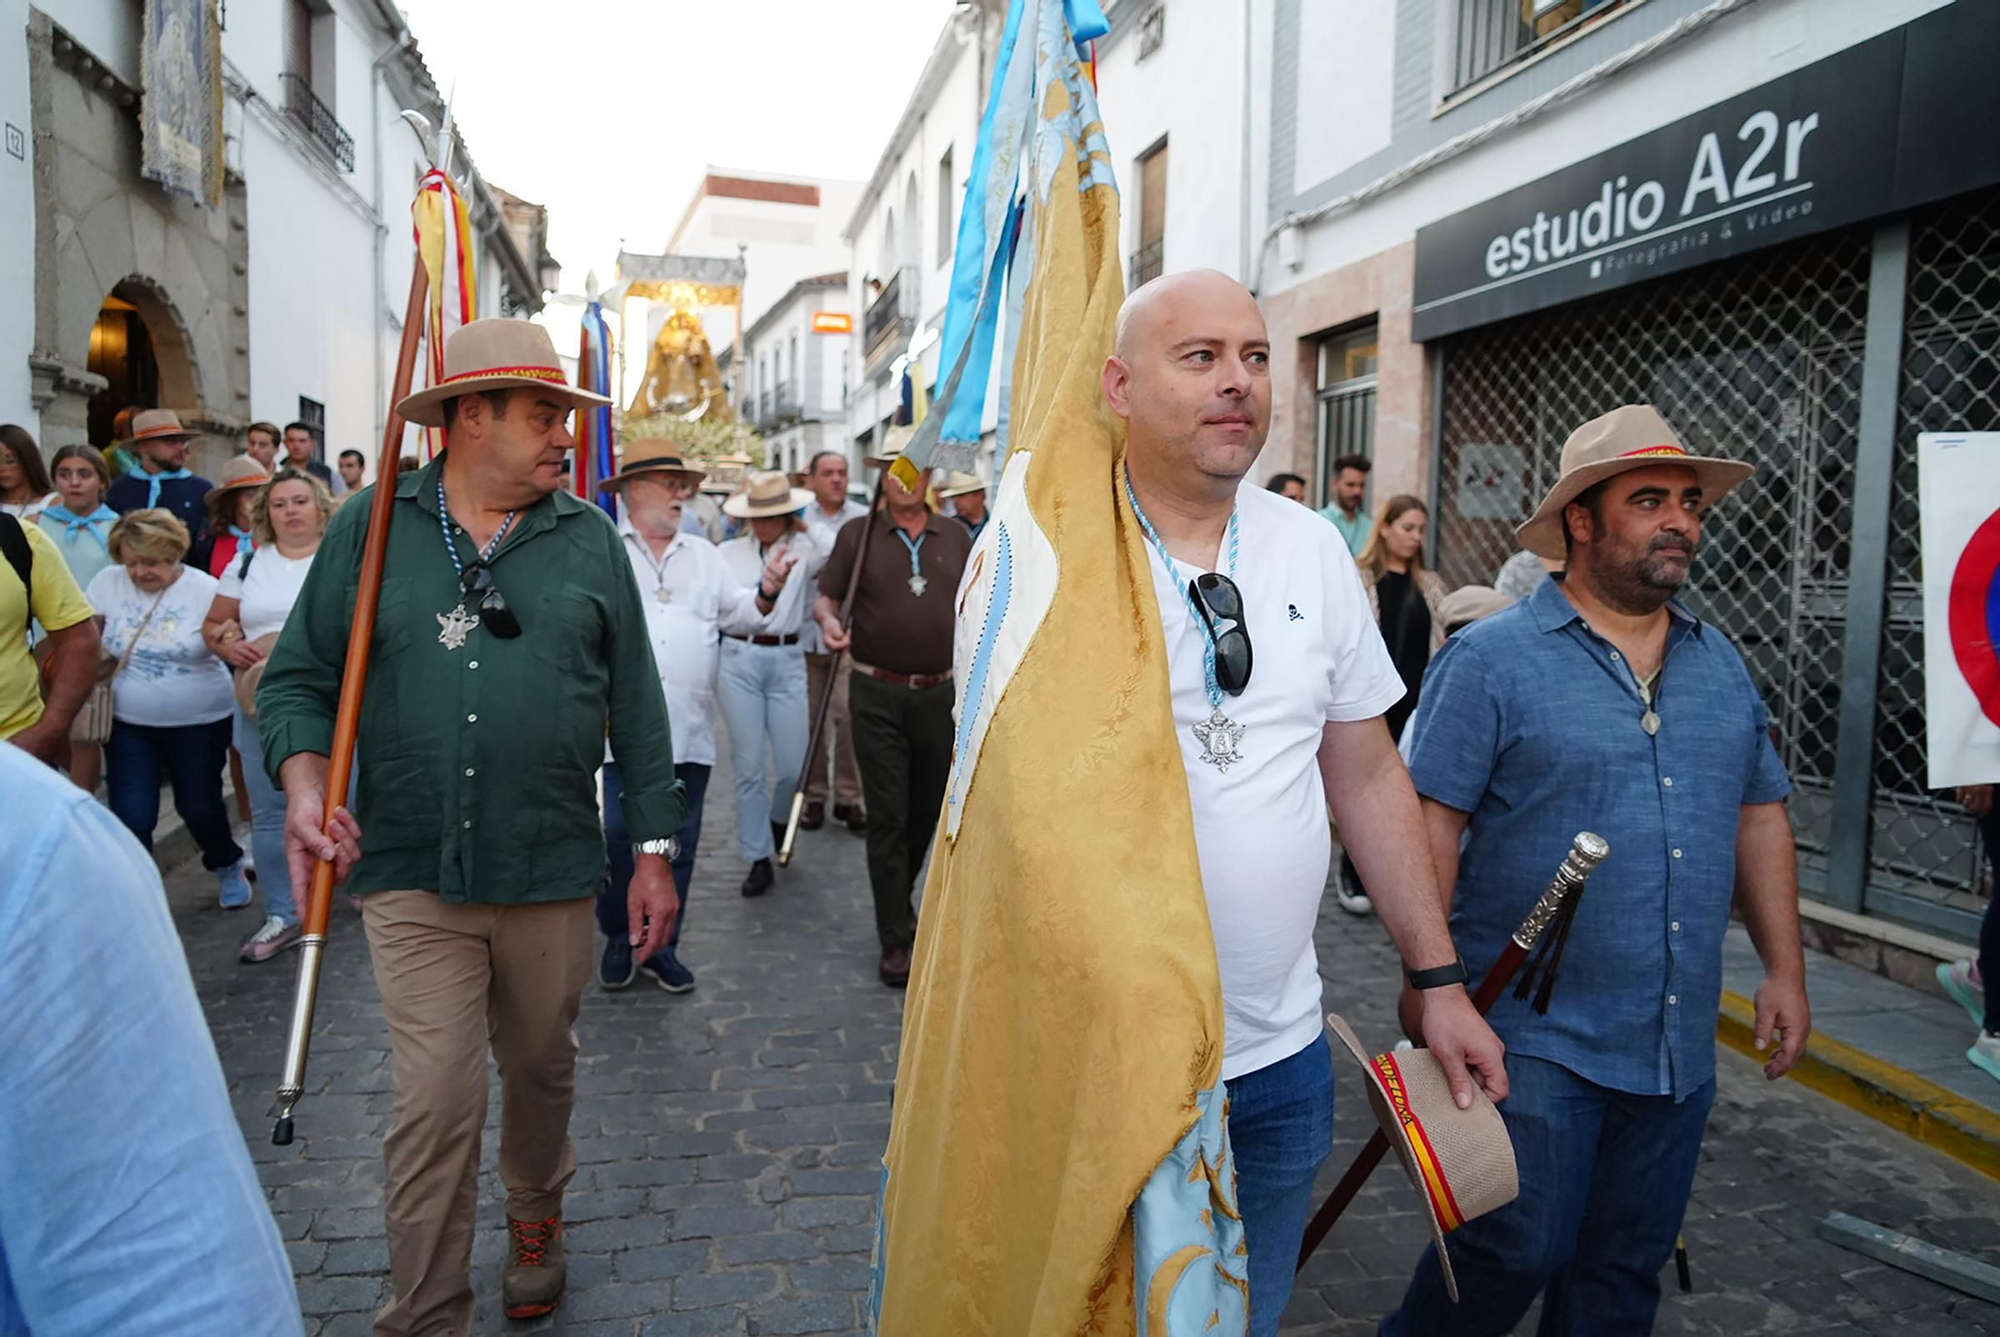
(957, 484)
(894, 442)
(1461, 1160)
(495, 354)
(1469, 603)
(1632, 437)
(241, 472)
(650, 455)
(247, 680)
(767, 494)
(157, 425)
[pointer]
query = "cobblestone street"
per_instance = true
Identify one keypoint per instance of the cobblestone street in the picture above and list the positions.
(730, 1140)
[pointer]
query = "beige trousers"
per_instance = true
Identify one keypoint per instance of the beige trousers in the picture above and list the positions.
(839, 735)
(454, 980)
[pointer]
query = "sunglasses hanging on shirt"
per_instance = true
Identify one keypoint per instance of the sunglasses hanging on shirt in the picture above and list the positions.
(477, 584)
(1220, 603)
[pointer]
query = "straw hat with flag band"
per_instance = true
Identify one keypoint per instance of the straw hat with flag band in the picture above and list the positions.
(651, 456)
(1632, 437)
(1461, 1160)
(957, 484)
(241, 472)
(156, 425)
(495, 354)
(767, 494)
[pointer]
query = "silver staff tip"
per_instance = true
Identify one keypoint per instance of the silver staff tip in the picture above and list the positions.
(1591, 846)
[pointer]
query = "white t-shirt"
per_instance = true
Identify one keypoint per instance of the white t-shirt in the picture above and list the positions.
(1261, 827)
(173, 678)
(267, 593)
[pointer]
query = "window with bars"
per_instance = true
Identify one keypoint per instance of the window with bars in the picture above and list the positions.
(1760, 359)
(1347, 365)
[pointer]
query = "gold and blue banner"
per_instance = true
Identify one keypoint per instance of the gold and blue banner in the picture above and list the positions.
(593, 458)
(1058, 1157)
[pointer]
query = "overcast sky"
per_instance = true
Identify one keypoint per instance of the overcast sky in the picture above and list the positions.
(607, 111)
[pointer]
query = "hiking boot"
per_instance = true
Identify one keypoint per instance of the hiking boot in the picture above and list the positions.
(531, 1282)
(232, 887)
(616, 967)
(814, 817)
(272, 938)
(760, 880)
(666, 970)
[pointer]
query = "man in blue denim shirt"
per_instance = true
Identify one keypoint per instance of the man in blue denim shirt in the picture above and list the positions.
(1601, 704)
(128, 1205)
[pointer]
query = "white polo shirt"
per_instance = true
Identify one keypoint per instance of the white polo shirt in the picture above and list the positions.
(825, 528)
(1261, 828)
(743, 558)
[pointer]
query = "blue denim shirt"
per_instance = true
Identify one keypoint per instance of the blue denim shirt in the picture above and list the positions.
(128, 1205)
(1531, 723)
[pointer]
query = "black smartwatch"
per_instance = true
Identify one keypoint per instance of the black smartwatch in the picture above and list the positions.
(1440, 977)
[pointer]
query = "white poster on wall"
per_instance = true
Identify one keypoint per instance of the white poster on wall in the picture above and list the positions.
(1958, 492)
(1492, 483)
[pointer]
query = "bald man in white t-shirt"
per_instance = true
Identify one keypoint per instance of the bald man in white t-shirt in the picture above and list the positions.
(1271, 739)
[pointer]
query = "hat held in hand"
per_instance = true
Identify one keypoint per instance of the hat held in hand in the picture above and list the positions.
(1461, 1160)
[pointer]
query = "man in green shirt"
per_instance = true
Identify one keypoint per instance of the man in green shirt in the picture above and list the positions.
(510, 640)
(1350, 485)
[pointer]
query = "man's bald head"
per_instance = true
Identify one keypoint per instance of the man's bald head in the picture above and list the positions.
(1191, 377)
(1168, 298)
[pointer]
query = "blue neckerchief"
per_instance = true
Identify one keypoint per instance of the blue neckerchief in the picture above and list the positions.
(89, 524)
(164, 476)
(244, 538)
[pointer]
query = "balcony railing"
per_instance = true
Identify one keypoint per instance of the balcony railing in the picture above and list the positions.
(1493, 34)
(1145, 263)
(891, 318)
(785, 403)
(317, 120)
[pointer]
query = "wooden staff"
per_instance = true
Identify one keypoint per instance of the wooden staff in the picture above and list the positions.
(347, 721)
(825, 710)
(1586, 852)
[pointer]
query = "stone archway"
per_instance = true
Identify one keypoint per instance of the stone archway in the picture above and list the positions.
(103, 231)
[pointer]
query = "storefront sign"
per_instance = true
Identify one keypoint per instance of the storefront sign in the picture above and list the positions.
(1848, 138)
(832, 322)
(1958, 496)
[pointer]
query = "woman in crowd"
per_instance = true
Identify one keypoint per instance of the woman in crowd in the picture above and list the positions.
(229, 521)
(1408, 603)
(171, 701)
(79, 524)
(25, 491)
(288, 516)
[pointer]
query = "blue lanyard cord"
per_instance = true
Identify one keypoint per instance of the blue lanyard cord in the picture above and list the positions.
(451, 545)
(914, 548)
(1187, 597)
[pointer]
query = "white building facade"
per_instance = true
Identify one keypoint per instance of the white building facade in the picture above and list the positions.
(284, 301)
(904, 229)
(794, 373)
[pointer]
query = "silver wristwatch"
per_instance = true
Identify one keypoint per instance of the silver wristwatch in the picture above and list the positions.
(668, 849)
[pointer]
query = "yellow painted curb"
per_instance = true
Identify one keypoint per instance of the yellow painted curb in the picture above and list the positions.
(1912, 1105)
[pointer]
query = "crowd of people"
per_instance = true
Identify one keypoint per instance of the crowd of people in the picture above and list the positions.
(548, 693)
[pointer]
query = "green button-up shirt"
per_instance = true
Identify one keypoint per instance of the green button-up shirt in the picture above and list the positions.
(478, 765)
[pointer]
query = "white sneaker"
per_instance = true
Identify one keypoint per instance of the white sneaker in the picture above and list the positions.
(1351, 899)
(1985, 1055)
(1961, 981)
(271, 938)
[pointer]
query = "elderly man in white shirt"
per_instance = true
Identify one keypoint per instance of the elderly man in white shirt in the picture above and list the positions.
(771, 570)
(686, 593)
(831, 509)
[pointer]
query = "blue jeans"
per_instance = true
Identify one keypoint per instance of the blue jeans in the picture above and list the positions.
(192, 756)
(1280, 1131)
(267, 825)
(762, 689)
(1605, 1177)
(612, 920)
